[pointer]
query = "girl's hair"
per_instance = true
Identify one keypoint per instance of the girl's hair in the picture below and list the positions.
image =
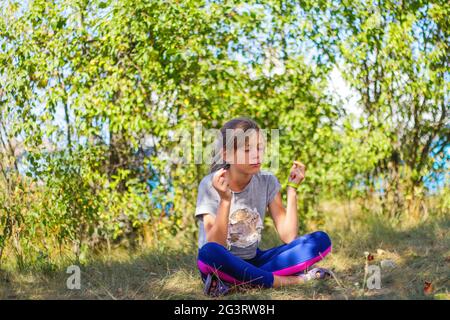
(223, 140)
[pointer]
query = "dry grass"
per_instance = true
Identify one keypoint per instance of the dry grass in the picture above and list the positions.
(421, 251)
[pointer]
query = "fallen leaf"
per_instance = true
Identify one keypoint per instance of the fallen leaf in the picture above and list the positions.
(368, 255)
(428, 287)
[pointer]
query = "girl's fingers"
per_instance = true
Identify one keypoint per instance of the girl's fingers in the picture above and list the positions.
(223, 184)
(297, 173)
(225, 187)
(299, 168)
(216, 176)
(299, 165)
(222, 172)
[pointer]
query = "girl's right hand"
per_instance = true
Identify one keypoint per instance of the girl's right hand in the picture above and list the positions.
(220, 182)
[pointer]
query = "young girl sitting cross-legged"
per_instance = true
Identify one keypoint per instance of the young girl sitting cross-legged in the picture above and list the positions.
(231, 204)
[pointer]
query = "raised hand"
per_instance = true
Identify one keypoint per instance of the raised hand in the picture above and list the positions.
(297, 174)
(220, 182)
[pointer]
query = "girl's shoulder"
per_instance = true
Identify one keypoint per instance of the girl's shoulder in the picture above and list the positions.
(206, 189)
(267, 179)
(207, 180)
(266, 175)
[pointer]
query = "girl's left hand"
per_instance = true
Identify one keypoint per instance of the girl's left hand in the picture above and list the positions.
(297, 174)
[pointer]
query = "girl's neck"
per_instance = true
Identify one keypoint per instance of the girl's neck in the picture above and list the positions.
(238, 180)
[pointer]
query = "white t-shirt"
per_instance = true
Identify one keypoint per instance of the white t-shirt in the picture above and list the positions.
(247, 211)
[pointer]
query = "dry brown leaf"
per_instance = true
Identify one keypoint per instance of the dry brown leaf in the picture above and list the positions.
(428, 287)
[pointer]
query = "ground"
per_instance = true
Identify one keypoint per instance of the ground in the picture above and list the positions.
(419, 249)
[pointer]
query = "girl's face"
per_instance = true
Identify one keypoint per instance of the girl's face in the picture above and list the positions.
(248, 157)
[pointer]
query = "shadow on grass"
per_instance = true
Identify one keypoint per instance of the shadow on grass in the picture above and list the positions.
(150, 274)
(421, 254)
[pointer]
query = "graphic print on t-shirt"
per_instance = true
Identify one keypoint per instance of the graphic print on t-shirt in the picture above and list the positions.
(244, 228)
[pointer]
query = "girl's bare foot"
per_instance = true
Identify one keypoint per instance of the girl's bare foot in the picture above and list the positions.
(316, 273)
(282, 281)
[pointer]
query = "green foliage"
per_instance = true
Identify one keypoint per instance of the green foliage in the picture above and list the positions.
(92, 92)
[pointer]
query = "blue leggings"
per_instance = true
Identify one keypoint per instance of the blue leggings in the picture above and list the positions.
(284, 260)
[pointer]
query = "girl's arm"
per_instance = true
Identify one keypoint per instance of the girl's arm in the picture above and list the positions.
(217, 227)
(286, 221)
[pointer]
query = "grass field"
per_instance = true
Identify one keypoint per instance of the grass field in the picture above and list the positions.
(420, 250)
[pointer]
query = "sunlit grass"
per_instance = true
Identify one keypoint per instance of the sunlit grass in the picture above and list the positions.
(420, 251)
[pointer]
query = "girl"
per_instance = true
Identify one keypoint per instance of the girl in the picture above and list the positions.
(231, 204)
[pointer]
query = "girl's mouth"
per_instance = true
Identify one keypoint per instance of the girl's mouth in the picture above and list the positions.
(256, 165)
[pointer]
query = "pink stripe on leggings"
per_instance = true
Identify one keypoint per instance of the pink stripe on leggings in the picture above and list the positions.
(204, 268)
(301, 266)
